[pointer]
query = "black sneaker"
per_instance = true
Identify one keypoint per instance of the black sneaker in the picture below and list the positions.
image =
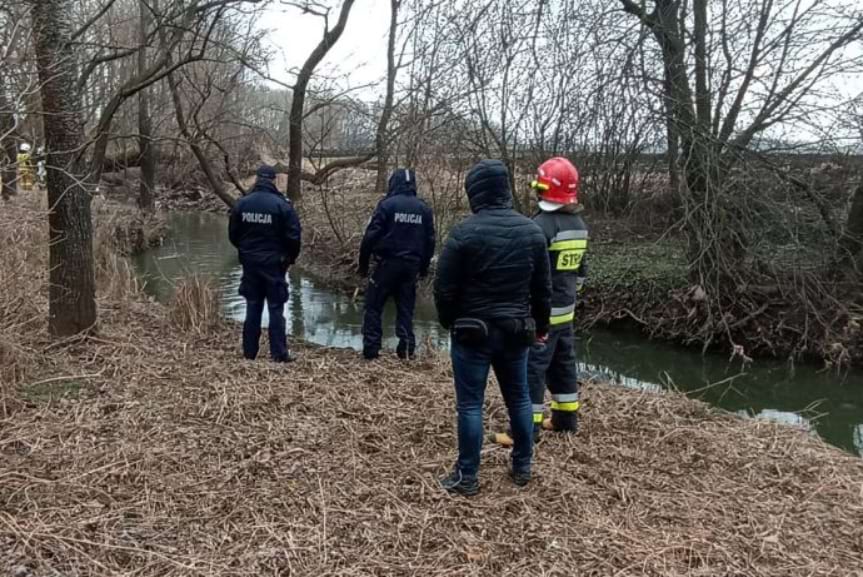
(520, 478)
(458, 484)
(285, 359)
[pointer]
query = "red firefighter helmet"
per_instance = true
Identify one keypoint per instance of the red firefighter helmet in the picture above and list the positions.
(556, 184)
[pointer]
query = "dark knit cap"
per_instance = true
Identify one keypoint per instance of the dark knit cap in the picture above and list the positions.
(266, 171)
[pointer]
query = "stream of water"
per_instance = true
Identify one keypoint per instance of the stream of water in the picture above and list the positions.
(824, 402)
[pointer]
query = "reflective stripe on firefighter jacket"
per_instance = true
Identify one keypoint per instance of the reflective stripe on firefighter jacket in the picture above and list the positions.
(567, 237)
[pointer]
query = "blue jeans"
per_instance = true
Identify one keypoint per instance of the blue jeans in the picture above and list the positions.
(470, 368)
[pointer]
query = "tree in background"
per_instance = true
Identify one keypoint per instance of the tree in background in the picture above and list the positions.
(296, 151)
(146, 146)
(72, 292)
(382, 136)
(730, 73)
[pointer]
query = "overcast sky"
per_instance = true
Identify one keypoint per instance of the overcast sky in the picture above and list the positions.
(360, 51)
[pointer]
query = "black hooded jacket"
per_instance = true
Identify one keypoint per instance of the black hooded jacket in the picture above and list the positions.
(264, 227)
(402, 226)
(494, 264)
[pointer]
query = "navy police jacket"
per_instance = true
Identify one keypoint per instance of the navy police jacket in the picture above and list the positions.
(402, 226)
(264, 227)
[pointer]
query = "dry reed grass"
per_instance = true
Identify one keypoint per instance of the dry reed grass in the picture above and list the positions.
(23, 289)
(196, 306)
(24, 281)
(178, 458)
(149, 451)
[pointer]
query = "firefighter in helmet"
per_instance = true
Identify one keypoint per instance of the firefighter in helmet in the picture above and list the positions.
(553, 362)
(25, 167)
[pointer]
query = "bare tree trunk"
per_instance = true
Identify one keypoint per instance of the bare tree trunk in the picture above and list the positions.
(72, 292)
(8, 153)
(381, 138)
(146, 200)
(298, 101)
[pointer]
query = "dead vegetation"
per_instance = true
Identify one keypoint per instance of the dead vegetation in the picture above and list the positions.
(195, 306)
(123, 230)
(152, 450)
(160, 454)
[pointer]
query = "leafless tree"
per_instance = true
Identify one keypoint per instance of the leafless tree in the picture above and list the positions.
(146, 147)
(729, 75)
(330, 37)
(16, 88)
(72, 293)
(382, 138)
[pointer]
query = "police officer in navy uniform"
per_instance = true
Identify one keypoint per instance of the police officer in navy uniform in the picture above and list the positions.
(401, 238)
(266, 231)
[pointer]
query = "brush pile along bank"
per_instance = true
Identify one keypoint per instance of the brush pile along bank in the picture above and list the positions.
(152, 449)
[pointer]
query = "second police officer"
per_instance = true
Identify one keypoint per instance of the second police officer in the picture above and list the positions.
(266, 231)
(400, 239)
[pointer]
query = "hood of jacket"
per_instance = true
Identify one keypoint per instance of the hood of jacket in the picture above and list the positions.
(402, 181)
(263, 184)
(487, 186)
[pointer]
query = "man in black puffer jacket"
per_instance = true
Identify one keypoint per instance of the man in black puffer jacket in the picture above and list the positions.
(493, 291)
(266, 231)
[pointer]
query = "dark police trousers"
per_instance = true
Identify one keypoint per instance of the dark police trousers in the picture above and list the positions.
(391, 278)
(554, 364)
(259, 284)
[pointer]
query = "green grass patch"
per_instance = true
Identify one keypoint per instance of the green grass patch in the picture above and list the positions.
(656, 264)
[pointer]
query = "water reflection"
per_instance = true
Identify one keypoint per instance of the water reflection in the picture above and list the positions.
(824, 402)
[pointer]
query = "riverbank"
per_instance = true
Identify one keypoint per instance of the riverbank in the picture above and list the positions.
(638, 276)
(155, 448)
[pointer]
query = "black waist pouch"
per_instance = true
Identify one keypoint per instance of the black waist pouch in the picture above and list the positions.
(518, 332)
(470, 332)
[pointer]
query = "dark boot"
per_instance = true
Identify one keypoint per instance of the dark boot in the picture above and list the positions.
(287, 358)
(562, 422)
(371, 354)
(405, 352)
(458, 484)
